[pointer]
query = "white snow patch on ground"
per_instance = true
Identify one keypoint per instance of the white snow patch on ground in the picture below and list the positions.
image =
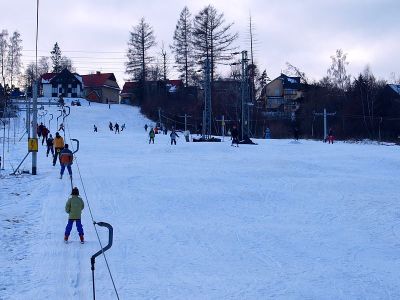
(279, 220)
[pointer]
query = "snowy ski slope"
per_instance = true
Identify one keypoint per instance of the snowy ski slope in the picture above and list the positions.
(281, 220)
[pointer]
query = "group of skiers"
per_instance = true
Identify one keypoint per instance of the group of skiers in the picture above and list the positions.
(42, 132)
(74, 204)
(153, 131)
(112, 127)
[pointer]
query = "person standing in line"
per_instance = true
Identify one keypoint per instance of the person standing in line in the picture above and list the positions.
(45, 133)
(73, 208)
(66, 158)
(116, 127)
(49, 144)
(235, 136)
(58, 146)
(173, 136)
(151, 135)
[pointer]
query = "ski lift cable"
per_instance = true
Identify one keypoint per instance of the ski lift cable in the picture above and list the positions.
(91, 214)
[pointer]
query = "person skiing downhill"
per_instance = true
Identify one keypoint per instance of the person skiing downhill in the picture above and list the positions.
(49, 144)
(151, 135)
(235, 136)
(173, 136)
(73, 208)
(66, 158)
(58, 146)
(110, 125)
(94, 128)
(123, 127)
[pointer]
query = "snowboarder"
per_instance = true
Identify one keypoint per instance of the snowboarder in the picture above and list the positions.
(66, 158)
(173, 136)
(123, 127)
(73, 208)
(110, 125)
(151, 135)
(95, 128)
(116, 127)
(330, 136)
(45, 133)
(58, 146)
(49, 144)
(145, 127)
(235, 136)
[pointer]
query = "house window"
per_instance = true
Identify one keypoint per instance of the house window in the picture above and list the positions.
(54, 91)
(277, 92)
(74, 90)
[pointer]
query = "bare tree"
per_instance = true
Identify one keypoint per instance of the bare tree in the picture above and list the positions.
(14, 57)
(182, 46)
(3, 56)
(212, 39)
(43, 65)
(140, 42)
(29, 75)
(337, 71)
(292, 70)
(66, 63)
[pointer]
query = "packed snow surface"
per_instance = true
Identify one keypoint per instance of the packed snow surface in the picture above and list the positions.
(277, 220)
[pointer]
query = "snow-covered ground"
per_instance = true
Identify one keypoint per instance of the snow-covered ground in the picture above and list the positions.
(280, 220)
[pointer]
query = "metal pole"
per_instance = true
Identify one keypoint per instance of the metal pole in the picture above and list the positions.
(4, 139)
(14, 129)
(223, 127)
(185, 121)
(159, 116)
(8, 131)
(34, 125)
(325, 132)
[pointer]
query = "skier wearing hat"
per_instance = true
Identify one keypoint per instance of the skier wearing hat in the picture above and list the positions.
(58, 146)
(73, 208)
(66, 158)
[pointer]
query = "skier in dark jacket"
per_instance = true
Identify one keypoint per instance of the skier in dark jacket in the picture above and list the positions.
(110, 125)
(145, 127)
(116, 128)
(40, 129)
(173, 136)
(45, 133)
(296, 133)
(50, 144)
(73, 208)
(235, 136)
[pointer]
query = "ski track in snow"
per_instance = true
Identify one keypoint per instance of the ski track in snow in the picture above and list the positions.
(280, 220)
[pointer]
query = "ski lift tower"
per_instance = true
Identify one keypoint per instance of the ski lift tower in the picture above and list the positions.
(206, 130)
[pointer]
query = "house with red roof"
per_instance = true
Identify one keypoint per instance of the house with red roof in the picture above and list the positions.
(65, 84)
(101, 87)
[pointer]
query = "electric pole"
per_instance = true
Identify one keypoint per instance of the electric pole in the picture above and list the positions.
(159, 116)
(185, 116)
(34, 110)
(325, 115)
(206, 134)
(245, 119)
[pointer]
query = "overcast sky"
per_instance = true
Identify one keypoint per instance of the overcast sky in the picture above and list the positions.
(94, 33)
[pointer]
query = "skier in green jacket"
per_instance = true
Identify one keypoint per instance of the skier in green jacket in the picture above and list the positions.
(73, 208)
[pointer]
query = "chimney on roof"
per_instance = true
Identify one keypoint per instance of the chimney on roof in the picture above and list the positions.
(97, 72)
